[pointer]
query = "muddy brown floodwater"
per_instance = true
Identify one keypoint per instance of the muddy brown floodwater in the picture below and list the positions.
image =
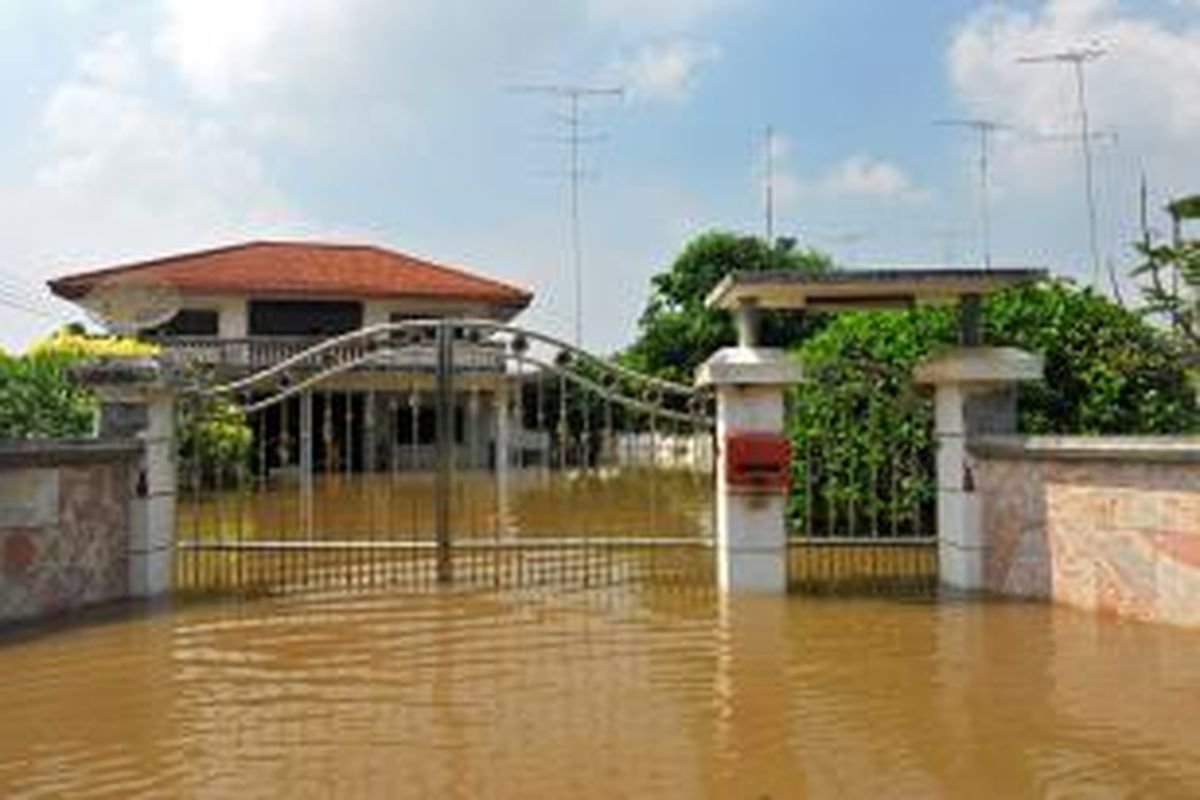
(534, 504)
(615, 692)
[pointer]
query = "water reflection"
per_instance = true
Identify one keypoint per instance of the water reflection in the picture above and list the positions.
(628, 692)
(527, 502)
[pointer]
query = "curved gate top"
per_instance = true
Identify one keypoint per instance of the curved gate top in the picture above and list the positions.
(435, 451)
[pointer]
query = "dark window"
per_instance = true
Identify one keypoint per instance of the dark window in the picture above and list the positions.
(303, 317)
(190, 322)
(427, 426)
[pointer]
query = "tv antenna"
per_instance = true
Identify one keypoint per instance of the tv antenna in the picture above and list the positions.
(985, 128)
(1077, 58)
(574, 96)
(769, 184)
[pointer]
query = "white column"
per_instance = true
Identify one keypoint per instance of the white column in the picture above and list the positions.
(152, 534)
(973, 395)
(751, 527)
(136, 403)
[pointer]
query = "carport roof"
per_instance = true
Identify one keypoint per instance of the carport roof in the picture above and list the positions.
(848, 290)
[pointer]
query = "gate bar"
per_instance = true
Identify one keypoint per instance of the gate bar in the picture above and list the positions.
(445, 450)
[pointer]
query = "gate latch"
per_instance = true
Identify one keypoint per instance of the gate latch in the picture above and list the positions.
(758, 463)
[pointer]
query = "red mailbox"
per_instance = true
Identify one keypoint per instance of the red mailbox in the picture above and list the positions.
(758, 463)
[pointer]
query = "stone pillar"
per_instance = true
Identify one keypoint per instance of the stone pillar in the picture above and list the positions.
(136, 403)
(751, 528)
(974, 395)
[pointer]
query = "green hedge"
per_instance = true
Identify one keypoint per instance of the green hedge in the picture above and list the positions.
(862, 425)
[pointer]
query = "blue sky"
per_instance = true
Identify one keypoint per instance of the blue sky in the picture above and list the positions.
(135, 129)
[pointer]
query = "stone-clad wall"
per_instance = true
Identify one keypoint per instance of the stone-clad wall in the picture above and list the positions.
(65, 523)
(1110, 525)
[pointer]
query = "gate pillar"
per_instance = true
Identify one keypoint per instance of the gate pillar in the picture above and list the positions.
(137, 402)
(751, 522)
(975, 393)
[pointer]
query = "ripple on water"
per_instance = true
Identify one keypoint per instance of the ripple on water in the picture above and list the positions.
(625, 692)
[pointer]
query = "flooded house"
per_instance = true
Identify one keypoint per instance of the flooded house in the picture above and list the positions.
(239, 310)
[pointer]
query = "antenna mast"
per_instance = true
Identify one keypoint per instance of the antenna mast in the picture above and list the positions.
(770, 185)
(1077, 58)
(985, 128)
(574, 96)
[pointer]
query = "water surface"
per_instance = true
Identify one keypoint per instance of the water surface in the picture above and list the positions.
(614, 692)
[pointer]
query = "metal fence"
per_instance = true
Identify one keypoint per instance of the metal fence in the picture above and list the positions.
(356, 464)
(863, 510)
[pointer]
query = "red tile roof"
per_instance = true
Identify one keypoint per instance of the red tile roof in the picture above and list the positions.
(302, 269)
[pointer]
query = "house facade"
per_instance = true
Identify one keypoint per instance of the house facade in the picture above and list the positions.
(272, 294)
(243, 308)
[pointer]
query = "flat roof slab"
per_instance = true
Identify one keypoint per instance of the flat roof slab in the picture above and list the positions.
(849, 290)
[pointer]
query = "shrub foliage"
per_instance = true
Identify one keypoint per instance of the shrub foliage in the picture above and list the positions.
(865, 432)
(38, 400)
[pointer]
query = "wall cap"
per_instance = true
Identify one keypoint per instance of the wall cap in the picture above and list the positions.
(979, 365)
(750, 366)
(1173, 449)
(54, 452)
(131, 379)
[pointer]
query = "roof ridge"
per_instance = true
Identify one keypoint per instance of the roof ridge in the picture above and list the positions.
(308, 243)
(209, 251)
(70, 284)
(153, 262)
(446, 269)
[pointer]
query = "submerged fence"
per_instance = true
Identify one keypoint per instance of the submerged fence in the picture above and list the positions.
(356, 463)
(864, 501)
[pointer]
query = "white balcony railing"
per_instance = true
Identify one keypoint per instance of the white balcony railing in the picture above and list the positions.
(259, 352)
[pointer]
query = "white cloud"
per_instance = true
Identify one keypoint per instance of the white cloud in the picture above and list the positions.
(1147, 86)
(303, 65)
(229, 48)
(868, 177)
(108, 144)
(113, 62)
(123, 176)
(666, 71)
(300, 66)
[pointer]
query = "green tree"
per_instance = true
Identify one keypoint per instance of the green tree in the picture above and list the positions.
(676, 332)
(1172, 275)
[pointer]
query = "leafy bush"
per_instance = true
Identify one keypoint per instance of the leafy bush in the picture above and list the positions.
(215, 441)
(38, 399)
(1108, 371)
(73, 343)
(862, 431)
(865, 430)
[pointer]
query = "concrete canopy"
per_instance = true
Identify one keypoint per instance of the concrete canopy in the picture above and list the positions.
(849, 290)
